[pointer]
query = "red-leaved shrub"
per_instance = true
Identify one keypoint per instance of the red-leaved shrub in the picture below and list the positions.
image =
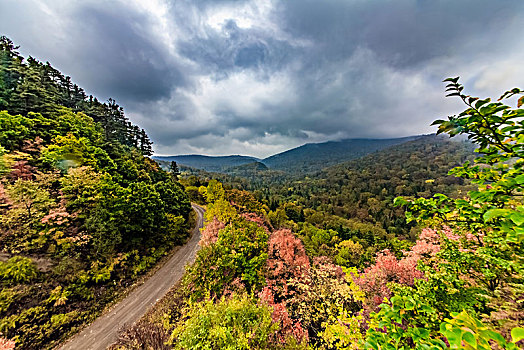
(387, 268)
(289, 328)
(260, 221)
(209, 234)
(6, 344)
(287, 261)
(286, 258)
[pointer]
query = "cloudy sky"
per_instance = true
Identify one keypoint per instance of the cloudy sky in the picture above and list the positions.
(257, 77)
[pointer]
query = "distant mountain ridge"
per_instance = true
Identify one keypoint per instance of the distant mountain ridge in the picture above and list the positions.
(209, 163)
(316, 156)
(306, 158)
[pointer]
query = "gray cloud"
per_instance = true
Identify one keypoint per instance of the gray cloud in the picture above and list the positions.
(257, 77)
(118, 54)
(401, 32)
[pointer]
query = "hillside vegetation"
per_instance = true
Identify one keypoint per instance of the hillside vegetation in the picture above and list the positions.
(83, 211)
(417, 245)
(362, 189)
(298, 278)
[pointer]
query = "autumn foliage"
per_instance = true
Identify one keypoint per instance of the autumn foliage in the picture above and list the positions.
(6, 344)
(83, 209)
(287, 262)
(387, 269)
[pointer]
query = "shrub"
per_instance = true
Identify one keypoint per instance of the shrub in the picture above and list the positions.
(209, 234)
(235, 261)
(143, 335)
(286, 259)
(18, 269)
(7, 297)
(232, 323)
(349, 253)
(322, 296)
(387, 268)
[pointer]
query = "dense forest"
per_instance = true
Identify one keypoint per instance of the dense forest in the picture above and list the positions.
(83, 210)
(362, 189)
(207, 163)
(295, 277)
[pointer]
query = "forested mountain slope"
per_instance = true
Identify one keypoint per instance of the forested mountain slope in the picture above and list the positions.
(316, 156)
(83, 210)
(307, 158)
(364, 188)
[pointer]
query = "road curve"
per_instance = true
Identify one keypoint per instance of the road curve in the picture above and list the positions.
(104, 330)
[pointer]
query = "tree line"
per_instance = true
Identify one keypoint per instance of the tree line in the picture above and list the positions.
(83, 211)
(32, 86)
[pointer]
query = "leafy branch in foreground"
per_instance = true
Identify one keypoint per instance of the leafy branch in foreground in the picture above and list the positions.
(485, 252)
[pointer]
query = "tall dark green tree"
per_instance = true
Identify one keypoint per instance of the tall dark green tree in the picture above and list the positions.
(173, 168)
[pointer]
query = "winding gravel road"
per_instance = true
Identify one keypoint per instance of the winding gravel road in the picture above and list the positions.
(104, 330)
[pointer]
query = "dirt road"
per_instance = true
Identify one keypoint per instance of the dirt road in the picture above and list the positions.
(104, 330)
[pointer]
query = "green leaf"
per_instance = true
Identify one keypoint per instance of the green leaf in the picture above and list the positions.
(517, 218)
(424, 333)
(495, 213)
(519, 179)
(409, 305)
(454, 337)
(516, 236)
(517, 334)
(399, 201)
(472, 99)
(469, 338)
(480, 103)
(453, 80)
(496, 336)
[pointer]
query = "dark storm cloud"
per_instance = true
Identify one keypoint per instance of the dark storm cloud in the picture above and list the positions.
(347, 81)
(257, 77)
(108, 48)
(400, 32)
(120, 55)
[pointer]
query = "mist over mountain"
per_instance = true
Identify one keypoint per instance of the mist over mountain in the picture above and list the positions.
(316, 156)
(306, 158)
